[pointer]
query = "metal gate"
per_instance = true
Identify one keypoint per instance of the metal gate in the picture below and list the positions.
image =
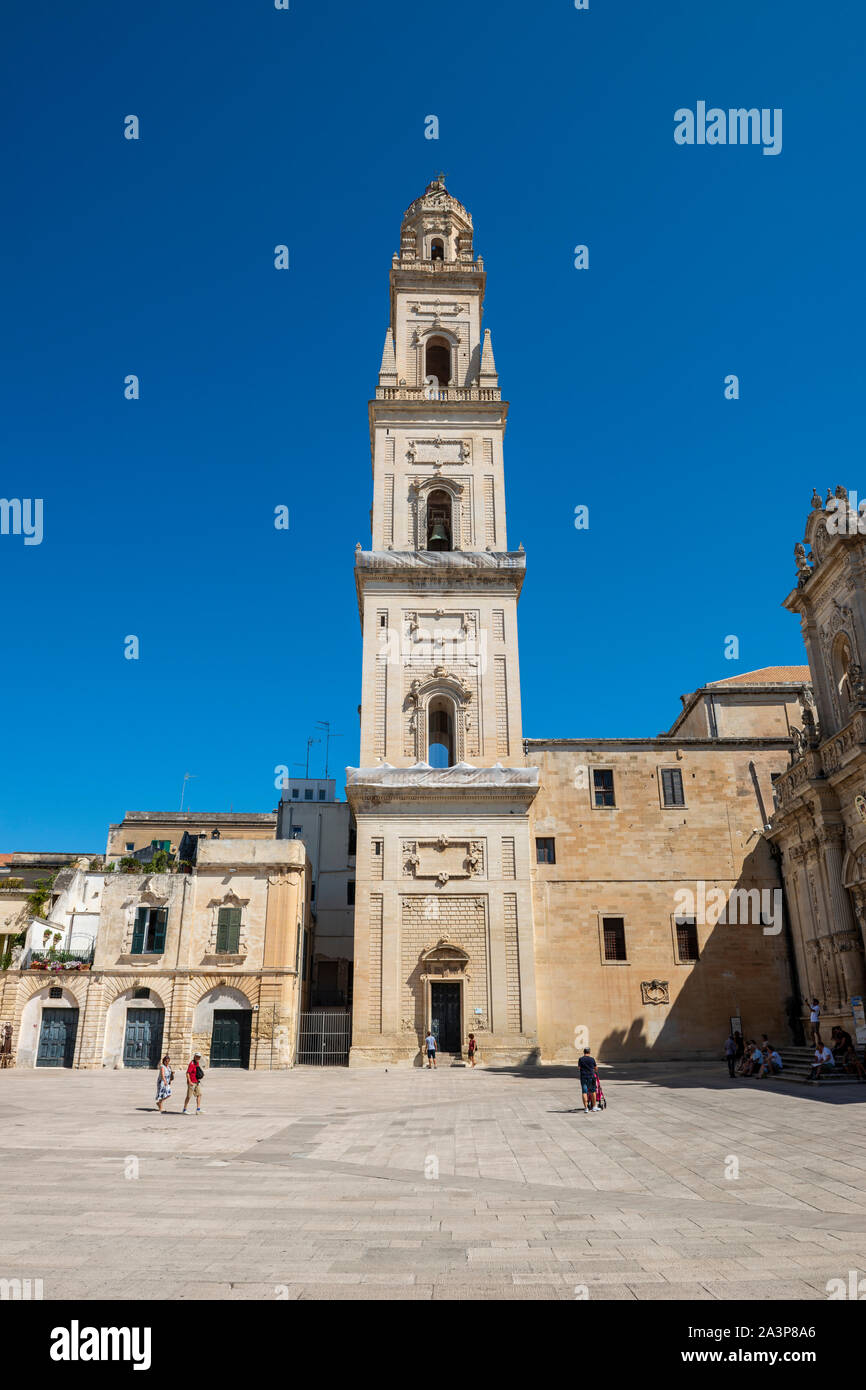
(324, 1039)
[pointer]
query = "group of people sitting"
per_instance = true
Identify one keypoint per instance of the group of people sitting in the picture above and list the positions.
(841, 1055)
(752, 1058)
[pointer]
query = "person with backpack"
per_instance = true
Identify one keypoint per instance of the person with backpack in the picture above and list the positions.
(194, 1078)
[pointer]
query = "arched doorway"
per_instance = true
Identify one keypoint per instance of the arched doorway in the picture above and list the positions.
(49, 1028)
(222, 1027)
(134, 1029)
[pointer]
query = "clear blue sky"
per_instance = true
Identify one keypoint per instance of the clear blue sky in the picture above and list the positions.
(306, 127)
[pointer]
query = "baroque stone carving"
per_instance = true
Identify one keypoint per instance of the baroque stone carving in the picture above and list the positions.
(655, 992)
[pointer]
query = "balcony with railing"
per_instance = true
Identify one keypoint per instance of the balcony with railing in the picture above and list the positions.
(56, 962)
(442, 393)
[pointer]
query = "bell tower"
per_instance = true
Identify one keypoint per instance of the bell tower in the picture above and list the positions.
(442, 812)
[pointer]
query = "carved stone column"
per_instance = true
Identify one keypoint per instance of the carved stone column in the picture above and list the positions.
(846, 937)
(822, 913)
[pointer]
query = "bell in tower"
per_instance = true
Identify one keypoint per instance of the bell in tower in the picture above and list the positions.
(439, 521)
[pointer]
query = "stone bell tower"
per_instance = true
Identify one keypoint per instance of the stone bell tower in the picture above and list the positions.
(443, 913)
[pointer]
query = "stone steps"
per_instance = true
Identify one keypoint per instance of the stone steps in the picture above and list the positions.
(798, 1065)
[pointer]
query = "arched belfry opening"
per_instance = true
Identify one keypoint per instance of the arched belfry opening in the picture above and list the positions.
(440, 725)
(437, 249)
(437, 360)
(440, 529)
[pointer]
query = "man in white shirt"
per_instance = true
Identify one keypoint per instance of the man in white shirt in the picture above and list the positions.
(823, 1058)
(815, 1021)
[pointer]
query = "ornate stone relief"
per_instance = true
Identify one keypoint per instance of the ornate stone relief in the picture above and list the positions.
(461, 449)
(443, 859)
(655, 992)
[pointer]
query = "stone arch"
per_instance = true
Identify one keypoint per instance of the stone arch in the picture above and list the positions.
(421, 489)
(206, 985)
(446, 337)
(114, 1017)
(28, 1021)
(442, 685)
(220, 995)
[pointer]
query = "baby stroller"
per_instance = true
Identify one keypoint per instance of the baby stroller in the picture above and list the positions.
(600, 1100)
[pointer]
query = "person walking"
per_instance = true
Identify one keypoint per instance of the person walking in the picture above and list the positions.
(194, 1078)
(731, 1054)
(472, 1049)
(587, 1067)
(815, 1022)
(164, 1078)
(430, 1044)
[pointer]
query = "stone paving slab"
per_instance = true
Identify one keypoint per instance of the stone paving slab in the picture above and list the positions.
(313, 1184)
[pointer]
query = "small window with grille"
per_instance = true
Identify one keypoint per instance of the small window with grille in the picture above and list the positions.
(613, 929)
(687, 940)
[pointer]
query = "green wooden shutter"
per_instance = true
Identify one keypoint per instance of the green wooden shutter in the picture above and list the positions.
(138, 931)
(159, 930)
(229, 931)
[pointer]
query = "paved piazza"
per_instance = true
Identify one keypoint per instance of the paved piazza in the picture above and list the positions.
(311, 1184)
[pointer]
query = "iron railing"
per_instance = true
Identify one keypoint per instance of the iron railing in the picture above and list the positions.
(324, 1038)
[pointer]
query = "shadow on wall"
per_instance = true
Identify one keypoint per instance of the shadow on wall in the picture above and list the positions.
(742, 971)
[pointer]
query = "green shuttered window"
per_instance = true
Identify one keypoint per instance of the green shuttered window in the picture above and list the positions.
(228, 931)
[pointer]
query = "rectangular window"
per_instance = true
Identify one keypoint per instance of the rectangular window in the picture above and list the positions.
(228, 931)
(130, 846)
(297, 832)
(322, 795)
(350, 892)
(545, 850)
(142, 993)
(614, 938)
(55, 992)
(296, 794)
(161, 844)
(687, 939)
(377, 846)
(672, 787)
(602, 786)
(353, 838)
(148, 935)
(308, 793)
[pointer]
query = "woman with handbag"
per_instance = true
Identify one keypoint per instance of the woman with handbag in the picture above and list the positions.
(164, 1078)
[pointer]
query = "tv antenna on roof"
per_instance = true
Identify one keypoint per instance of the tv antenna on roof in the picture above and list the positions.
(187, 776)
(325, 725)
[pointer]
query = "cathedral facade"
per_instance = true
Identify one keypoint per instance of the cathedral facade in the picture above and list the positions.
(819, 827)
(542, 894)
